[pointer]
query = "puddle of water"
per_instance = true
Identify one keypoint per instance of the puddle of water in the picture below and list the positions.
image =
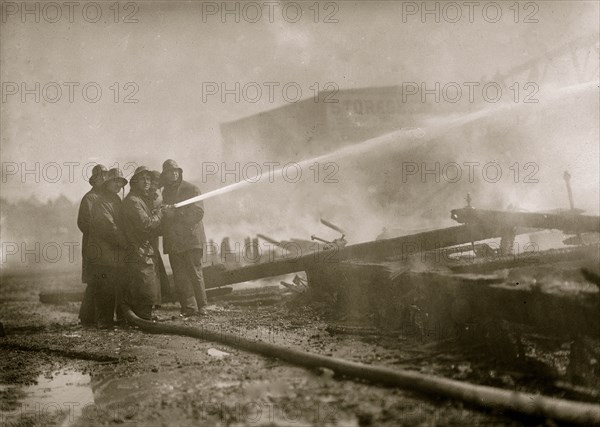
(58, 400)
(261, 388)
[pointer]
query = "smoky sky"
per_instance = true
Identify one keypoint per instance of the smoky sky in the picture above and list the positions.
(174, 49)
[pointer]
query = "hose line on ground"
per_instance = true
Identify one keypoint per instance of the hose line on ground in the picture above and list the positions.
(486, 397)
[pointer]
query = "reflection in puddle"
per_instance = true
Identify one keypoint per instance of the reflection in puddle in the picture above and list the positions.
(68, 397)
(57, 399)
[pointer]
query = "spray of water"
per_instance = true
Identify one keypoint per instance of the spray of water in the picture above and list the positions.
(406, 136)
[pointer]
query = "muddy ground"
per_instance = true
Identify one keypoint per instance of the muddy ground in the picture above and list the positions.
(54, 372)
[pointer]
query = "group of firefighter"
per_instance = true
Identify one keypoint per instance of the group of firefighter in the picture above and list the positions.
(122, 265)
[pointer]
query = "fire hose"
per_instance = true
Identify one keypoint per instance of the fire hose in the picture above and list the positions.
(491, 398)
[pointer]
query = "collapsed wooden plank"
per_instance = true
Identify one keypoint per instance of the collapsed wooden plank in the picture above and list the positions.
(568, 221)
(399, 248)
(478, 225)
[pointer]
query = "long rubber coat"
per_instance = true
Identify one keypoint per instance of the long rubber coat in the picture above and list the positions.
(141, 228)
(184, 229)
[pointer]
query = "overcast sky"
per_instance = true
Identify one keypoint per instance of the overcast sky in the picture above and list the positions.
(175, 48)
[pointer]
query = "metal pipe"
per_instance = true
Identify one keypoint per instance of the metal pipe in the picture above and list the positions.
(567, 178)
(533, 405)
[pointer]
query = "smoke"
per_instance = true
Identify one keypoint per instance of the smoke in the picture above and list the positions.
(509, 156)
(171, 52)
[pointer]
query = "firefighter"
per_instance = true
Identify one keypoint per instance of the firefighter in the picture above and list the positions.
(184, 240)
(141, 226)
(87, 309)
(106, 249)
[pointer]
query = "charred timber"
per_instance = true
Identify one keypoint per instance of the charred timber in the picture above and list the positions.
(569, 222)
(397, 248)
(585, 253)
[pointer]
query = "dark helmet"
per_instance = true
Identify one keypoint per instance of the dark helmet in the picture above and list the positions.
(169, 165)
(115, 174)
(97, 174)
(138, 172)
(156, 178)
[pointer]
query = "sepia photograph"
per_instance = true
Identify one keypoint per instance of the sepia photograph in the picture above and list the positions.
(299, 213)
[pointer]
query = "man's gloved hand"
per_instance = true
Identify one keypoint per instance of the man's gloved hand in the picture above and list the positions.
(158, 212)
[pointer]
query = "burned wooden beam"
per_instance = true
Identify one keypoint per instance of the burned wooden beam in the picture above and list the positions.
(569, 222)
(527, 258)
(478, 224)
(397, 248)
(270, 240)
